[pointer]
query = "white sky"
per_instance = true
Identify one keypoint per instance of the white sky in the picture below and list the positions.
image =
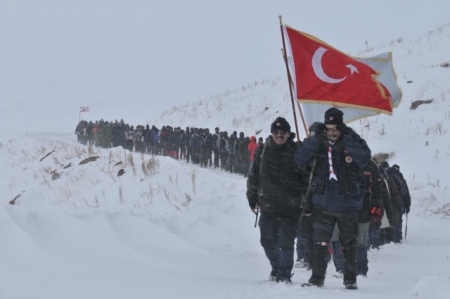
(135, 59)
(77, 237)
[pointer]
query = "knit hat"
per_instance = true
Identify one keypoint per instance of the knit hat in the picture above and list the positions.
(384, 164)
(280, 124)
(334, 116)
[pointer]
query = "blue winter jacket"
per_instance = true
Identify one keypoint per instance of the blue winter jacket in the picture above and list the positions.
(350, 155)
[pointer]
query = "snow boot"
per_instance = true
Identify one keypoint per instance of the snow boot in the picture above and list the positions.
(350, 284)
(286, 280)
(273, 275)
(315, 280)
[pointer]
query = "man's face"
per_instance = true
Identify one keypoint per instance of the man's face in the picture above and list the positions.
(280, 136)
(333, 133)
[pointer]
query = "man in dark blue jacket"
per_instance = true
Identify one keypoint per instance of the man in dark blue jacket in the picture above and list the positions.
(337, 189)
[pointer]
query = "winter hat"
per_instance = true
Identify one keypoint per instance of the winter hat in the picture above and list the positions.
(384, 164)
(280, 124)
(334, 116)
(396, 166)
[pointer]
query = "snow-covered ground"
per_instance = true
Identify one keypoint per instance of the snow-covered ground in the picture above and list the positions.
(170, 229)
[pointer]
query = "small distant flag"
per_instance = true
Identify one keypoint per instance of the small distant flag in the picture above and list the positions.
(84, 109)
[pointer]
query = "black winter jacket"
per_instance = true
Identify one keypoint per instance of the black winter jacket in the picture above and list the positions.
(275, 182)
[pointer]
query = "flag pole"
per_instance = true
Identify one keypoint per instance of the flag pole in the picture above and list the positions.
(291, 83)
(303, 118)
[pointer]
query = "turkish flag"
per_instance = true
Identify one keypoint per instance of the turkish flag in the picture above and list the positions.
(324, 74)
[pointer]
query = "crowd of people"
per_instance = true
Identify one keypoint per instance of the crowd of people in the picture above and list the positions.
(328, 194)
(324, 198)
(231, 153)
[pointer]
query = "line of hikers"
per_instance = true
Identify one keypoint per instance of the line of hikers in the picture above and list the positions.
(232, 153)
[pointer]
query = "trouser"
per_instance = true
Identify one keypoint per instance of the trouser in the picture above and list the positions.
(374, 238)
(362, 262)
(398, 230)
(324, 222)
(307, 228)
(216, 158)
(223, 161)
(188, 154)
(278, 238)
(338, 256)
(300, 245)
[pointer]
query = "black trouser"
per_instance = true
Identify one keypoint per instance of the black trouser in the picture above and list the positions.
(278, 238)
(324, 222)
(216, 158)
(306, 226)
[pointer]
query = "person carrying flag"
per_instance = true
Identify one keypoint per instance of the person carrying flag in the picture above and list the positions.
(337, 190)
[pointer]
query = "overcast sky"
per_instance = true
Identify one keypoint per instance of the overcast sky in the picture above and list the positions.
(135, 59)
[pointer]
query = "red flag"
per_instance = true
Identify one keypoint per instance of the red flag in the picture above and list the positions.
(84, 109)
(326, 75)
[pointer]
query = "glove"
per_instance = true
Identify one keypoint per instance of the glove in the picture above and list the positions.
(344, 129)
(407, 210)
(375, 214)
(316, 128)
(255, 209)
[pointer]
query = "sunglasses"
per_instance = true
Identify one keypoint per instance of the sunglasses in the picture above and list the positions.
(335, 129)
(279, 132)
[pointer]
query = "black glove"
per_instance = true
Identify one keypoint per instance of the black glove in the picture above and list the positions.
(407, 210)
(255, 209)
(344, 129)
(321, 135)
(316, 128)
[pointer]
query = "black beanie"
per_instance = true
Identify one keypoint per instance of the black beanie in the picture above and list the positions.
(384, 164)
(334, 116)
(280, 124)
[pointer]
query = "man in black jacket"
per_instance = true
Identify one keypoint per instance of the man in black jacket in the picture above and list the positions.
(275, 185)
(337, 190)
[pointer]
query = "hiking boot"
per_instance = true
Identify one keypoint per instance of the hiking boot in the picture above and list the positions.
(286, 280)
(316, 280)
(350, 284)
(301, 264)
(273, 275)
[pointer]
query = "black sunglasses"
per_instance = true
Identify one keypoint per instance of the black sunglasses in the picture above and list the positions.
(279, 131)
(331, 129)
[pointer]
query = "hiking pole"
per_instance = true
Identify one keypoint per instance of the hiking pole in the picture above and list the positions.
(406, 225)
(256, 219)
